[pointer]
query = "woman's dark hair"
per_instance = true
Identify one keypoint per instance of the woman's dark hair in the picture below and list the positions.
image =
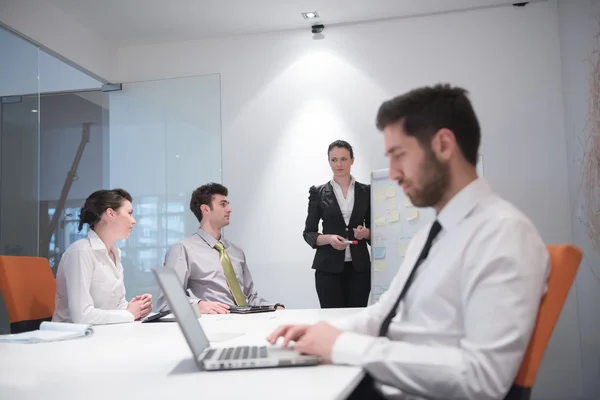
(98, 202)
(343, 144)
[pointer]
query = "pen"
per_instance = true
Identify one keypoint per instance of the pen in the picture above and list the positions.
(351, 241)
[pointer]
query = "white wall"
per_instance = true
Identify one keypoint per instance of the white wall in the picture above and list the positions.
(54, 29)
(22, 64)
(286, 96)
(578, 25)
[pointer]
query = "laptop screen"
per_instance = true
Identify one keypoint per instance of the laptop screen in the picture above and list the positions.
(183, 310)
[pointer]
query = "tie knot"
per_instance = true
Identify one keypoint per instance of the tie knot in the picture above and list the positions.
(435, 229)
(219, 247)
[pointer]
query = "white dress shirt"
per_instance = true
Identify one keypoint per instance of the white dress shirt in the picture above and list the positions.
(465, 323)
(346, 206)
(89, 285)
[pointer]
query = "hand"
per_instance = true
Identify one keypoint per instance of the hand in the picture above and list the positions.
(288, 333)
(146, 298)
(360, 232)
(337, 242)
(318, 340)
(140, 306)
(213, 307)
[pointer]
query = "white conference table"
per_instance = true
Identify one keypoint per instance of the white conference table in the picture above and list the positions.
(153, 361)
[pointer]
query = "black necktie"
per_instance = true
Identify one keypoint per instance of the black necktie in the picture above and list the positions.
(433, 232)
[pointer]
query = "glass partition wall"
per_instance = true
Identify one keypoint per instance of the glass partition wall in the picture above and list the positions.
(62, 137)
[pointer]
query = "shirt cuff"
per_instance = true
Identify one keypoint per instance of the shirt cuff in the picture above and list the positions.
(350, 348)
(128, 316)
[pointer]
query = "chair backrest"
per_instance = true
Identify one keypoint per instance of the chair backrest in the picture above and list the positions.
(564, 262)
(29, 288)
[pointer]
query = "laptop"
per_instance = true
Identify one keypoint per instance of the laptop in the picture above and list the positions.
(209, 358)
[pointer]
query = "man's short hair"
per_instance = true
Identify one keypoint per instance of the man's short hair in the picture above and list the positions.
(426, 110)
(204, 195)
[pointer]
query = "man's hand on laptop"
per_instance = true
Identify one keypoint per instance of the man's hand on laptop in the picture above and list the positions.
(213, 307)
(315, 339)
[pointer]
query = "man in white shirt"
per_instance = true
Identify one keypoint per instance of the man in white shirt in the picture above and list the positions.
(459, 313)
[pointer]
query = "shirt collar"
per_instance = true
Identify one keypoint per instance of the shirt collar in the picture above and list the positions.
(95, 241)
(209, 239)
(463, 203)
(336, 186)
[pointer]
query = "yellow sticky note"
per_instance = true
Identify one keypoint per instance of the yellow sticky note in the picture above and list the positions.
(407, 202)
(378, 265)
(402, 249)
(393, 215)
(379, 194)
(380, 221)
(413, 213)
(392, 204)
(391, 192)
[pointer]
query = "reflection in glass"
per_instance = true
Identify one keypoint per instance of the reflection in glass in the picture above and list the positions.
(164, 141)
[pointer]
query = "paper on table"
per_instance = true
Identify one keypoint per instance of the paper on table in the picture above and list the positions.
(393, 215)
(378, 265)
(50, 332)
(379, 222)
(245, 317)
(413, 213)
(223, 336)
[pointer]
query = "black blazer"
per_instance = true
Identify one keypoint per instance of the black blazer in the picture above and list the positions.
(323, 205)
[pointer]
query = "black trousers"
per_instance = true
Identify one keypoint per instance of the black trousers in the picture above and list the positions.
(366, 390)
(345, 289)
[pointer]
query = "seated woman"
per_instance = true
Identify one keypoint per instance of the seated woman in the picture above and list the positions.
(89, 281)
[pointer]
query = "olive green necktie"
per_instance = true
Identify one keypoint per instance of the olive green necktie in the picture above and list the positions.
(232, 281)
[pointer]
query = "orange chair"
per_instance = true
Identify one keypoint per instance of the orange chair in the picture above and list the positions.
(564, 261)
(28, 287)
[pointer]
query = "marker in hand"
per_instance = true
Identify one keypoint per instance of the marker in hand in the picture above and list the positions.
(351, 241)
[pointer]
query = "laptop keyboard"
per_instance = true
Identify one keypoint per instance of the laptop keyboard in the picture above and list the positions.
(240, 353)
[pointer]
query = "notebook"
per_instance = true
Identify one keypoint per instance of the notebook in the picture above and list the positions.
(250, 309)
(50, 332)
(163, 316)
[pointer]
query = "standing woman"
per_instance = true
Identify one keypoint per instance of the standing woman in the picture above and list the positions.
(89, 282)
(343, 271)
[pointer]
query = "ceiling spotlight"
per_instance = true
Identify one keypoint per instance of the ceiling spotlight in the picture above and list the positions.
(310, 15)
(34, 111)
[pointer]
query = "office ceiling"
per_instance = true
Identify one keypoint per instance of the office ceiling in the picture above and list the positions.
(138, 22)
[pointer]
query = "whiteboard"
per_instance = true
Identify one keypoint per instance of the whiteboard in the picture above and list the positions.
(394, 222)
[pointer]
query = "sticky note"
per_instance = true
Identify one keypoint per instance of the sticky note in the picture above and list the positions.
(413, 213)
(393, 215)
(391, 192)
(407, 202)
(378, 265)
(378, 253)
(402, 249)
(380, 194)
(392, 204)
(380, 221)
